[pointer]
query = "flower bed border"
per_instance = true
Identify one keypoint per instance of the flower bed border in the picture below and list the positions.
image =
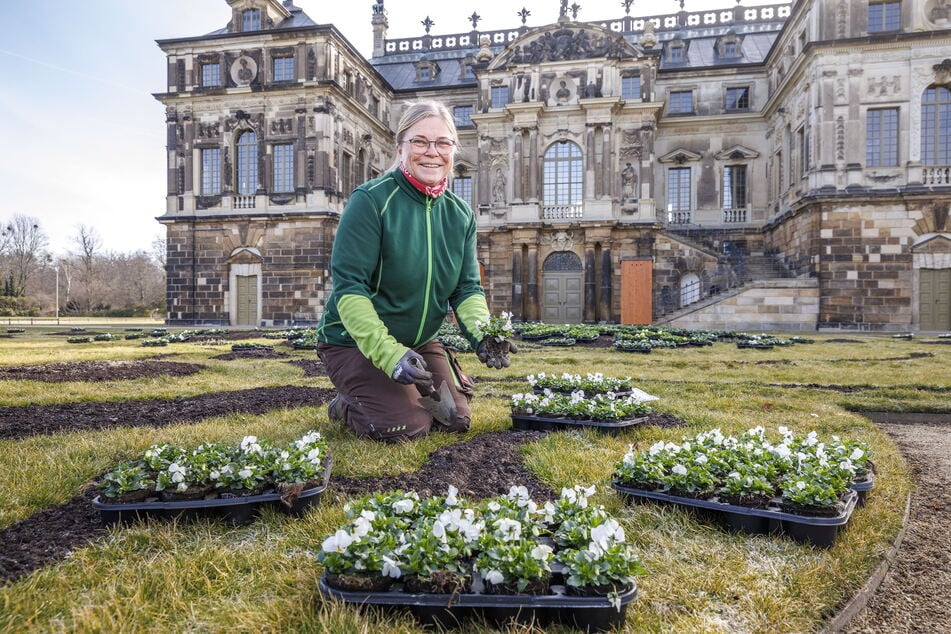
(587, 613)
(240, 509)
(526, 422)
(819, 531)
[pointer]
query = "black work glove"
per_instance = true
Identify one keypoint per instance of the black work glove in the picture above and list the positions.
(411, 368)
(495, 354)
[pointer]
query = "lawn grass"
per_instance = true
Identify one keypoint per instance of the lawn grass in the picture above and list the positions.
(202, 576)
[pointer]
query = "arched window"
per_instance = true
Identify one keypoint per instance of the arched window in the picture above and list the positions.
(247, 163)
(936, 126)
(689, 289)
(562, 180)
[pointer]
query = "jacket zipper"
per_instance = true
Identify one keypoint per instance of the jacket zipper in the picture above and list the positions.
(429, 268)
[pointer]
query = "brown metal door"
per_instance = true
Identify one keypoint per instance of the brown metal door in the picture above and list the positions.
(637, 287)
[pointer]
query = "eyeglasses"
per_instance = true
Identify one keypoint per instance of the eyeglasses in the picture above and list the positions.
(442, 145)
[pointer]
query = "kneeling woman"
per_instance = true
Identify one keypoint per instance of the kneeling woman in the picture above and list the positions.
(404, 253)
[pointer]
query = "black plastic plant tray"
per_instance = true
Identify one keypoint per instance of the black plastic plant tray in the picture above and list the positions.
(235, 510)
(807, 529)
(862, 488)
(524, 422)
(593, 614)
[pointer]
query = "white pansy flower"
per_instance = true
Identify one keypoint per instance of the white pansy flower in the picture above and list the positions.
(338, 542)
(451, 499)
(245, 473)
(541, 552)
(403, 506)
(494, 577)
(391, 568)
(856, 454)
(679, 469)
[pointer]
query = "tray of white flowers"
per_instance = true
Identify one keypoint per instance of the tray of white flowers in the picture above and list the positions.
(506, 559)
(555, 411)
(798, 485)
(216, 480)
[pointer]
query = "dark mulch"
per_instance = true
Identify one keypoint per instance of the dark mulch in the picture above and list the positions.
(98, 370)
(844, 341)
(659, 419)
(228, 335)
(262, 353)
(310, 367)
(908, 357)
(481, 467)
(48, 536)
(32, 420)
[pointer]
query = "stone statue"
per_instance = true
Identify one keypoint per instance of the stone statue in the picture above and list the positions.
(498, 190)
(628, 181)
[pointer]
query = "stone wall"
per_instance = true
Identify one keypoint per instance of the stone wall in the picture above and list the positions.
(293, 257)
(785, 305)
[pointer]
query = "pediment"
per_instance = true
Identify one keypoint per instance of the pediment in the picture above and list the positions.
(245, 255)
(935, 243)
(561, 42)
(679, 155)
(737, 153)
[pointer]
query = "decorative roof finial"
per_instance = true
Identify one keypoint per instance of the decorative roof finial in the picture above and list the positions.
(627, 6)
(474, 18)
(428, 24)
(681, 5)
(574, 11)
(563, 11)
(524, 13)
(378, 8)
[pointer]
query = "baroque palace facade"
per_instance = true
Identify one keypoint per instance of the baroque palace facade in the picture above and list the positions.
(785, 166)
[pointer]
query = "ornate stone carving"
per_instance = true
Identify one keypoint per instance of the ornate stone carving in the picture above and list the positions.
(560, 240)
(568, 44)
(884, 85)
(244, 70)
(840, 138)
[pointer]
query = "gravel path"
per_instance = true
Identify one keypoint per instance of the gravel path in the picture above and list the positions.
(915, 595)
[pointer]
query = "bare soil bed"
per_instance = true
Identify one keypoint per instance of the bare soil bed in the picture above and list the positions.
(32, 420)
(98, 370)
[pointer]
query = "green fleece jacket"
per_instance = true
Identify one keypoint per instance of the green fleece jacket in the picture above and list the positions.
(400, 260)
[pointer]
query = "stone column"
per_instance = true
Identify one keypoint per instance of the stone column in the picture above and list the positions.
(607, 161)
(518, 166)
(518, 311)
(533, 164)
(607, 286)
(592, 180)
(531, 284)
(589, 285)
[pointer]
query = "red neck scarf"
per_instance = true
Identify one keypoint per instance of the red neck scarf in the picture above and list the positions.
(433, 192)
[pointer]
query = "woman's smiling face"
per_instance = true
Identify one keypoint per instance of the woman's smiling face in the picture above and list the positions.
(429, 166)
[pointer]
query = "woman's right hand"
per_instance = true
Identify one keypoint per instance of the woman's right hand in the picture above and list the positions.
(411, 368)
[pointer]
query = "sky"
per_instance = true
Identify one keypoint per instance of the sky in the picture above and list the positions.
(83, 139)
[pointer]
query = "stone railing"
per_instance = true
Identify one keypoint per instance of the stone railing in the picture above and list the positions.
(557, 212)
(731, 216)
(627, 25)
(940, 175)
(678, 217)
(244, 202)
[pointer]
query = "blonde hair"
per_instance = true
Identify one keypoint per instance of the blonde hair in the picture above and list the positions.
(416, 112)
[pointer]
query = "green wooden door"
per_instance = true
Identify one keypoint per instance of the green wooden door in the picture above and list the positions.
(934, 299)
(247, 300)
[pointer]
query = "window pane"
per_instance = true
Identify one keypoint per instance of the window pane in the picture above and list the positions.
(251, 20)
(738, 98)
(631, 87)
(247, 163)
(734, 187)
(462, 116)
(210, 172)
(283, 69)
(210, 75)
(284, 167)
(678, 188)
(884, 16)
(500, 96)
(881, 137)
(936, 126)
(681, 101)
(561, 175)
(462, 187)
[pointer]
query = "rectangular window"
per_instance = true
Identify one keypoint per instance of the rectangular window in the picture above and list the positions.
(681, 102)
(678, 189)
(462, 187)
(677, 54)
(729, 49)
(462, 116)
(346, 173)
(631, 87)
(211, 75)
(881, 137)
(251, 20)
(734, 187)
(936, 126)
(211, 172)
(738, 98)
(284, 69)
(884, 16)
(284, 167)
(425, 73)
(500, 96)
(805, 158)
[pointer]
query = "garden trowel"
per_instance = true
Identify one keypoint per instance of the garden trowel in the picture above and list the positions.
(439, 403)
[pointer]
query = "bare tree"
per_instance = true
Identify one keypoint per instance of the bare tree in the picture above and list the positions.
(160, 250)
(88, 243)
(23, 249)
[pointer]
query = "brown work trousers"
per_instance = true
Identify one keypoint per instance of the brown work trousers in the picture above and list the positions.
(376, 406)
